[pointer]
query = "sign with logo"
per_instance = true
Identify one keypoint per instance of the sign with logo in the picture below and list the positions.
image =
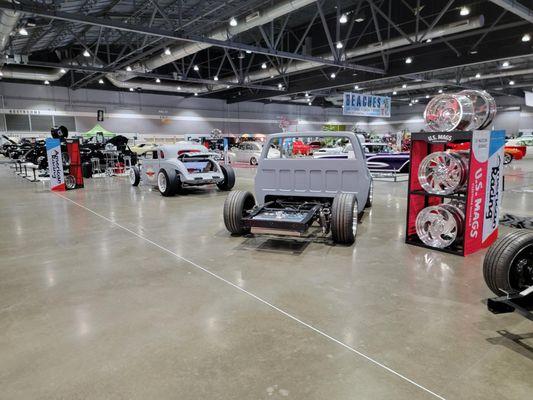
(55, 164)
(366, 105)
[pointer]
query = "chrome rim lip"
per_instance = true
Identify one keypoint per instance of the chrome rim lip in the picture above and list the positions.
(132, 176)
(484, 108)
(439, 226)
(354, 218)
(442, 172)
(70, 182)
(161, 182)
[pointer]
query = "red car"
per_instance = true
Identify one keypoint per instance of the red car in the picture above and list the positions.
(510, 152)
(299, 147)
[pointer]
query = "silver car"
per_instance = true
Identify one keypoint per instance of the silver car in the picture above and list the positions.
(295, 192)
(172, 167)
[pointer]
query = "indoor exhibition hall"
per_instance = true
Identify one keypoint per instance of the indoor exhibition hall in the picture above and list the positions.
(266, 199)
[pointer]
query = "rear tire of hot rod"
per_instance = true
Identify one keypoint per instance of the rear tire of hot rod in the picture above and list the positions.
(344, 218)
(508, 265)
(236, 206)
(167, 183)
(229, 178)
(135, 176)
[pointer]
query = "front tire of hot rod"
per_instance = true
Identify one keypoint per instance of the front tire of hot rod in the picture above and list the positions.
(344, 218)
(236, 206)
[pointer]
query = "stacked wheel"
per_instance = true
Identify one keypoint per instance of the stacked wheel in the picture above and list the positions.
(443, 172)
(508, 265)
(440, 226)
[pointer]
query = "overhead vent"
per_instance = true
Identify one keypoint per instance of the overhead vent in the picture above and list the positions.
(252, 16)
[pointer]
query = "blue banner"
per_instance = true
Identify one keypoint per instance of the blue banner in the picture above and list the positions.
(366, 105)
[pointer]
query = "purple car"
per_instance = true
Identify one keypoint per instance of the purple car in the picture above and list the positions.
(381, 157)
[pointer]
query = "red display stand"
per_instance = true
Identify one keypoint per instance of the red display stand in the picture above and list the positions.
(73, 150)
(479, 197)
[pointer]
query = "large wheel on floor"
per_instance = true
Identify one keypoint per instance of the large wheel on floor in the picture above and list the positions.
(167, 182)
(370, 197)
(344, 218)
(508, 265)
(237, 205)
(135, 175)
(229, 178)
(507, 158)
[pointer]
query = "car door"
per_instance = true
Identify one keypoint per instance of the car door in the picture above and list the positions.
(150, 166)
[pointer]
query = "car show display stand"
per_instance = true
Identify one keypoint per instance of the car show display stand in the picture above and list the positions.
(479, 197)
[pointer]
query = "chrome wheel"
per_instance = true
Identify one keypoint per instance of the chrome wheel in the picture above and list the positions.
(449, 112)
(161, 182)
(70, 182)
(484, 108)
(442, 173)
(440, 226)
(132, 176)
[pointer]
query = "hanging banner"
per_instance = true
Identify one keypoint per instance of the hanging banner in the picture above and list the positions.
(55, 164)
(366, 105)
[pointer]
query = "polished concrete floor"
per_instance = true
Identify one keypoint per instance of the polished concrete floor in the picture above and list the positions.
(114, 292)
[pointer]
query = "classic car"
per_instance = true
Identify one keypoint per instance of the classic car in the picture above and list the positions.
(248, 152)
(520, 142)
(299, 147)
(141, 148)
(296, 194)
(172, 167)
(381, 157)
(510, 153)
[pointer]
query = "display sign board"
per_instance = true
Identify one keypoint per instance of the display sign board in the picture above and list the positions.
(100, 115)
(55, 164)
(366, 105)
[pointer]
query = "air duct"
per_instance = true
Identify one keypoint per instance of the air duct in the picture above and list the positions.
(32, 73)
(8, 21)
(180, 51)
(115, 79)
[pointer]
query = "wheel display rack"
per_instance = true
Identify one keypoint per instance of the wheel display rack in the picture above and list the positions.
(477, 197)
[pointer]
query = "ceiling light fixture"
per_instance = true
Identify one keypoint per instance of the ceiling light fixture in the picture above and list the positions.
(473, 51)
(128, 68)
(408, 60)
(215, 78)
(23, 31)
(526, 37)
(46, 82)
(511, 83)
(263, 66)
(195, 93)
(196, 68)
(333, 75)
(248, 51)
(86, 54)
(339, 45)
(131, 89)
(404, 85)
(63, 70)
(440, 90)
(394, 92)
(427, 96)
(167, 52)
(306, 94)
(464, 11)
(101, 81)
(428, 40)
(233, 21)
(280, 86)
(359, 19)
(478, 75)
(356, 87)
(157, 80)
(410, 104)
(505, 64)
(343, 19)
(178, 88)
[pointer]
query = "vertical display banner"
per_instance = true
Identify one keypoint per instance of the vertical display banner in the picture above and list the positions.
(366, 105)
(55, 165)
(494, 185)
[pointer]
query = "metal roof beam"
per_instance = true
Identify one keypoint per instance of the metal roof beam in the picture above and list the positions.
(516, 8)
(88, 20)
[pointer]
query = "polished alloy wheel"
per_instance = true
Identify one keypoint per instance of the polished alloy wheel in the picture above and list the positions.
(439, 226)
(449, 112)
(443, 173)
(132, 176)
(161, 182)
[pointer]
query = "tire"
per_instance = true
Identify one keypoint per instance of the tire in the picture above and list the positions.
(499, 265)
(165, 183)
(253, 161)
(235, 208)
(135, 175)
(370, 196)
(507, 158)
(229, 178)
(344, 219)
(70, 182)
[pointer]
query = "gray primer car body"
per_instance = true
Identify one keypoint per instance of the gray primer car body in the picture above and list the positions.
(193, 157)
(313, 177)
